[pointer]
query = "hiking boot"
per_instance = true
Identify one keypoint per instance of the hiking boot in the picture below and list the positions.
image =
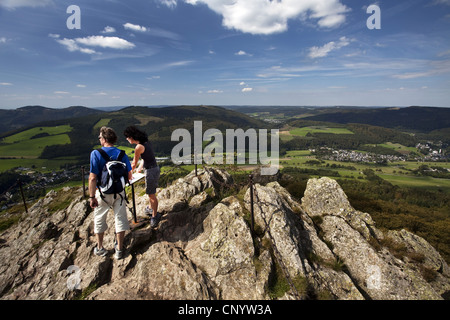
(149, 211)
(100, 252)
(155, 220)
(119, 254)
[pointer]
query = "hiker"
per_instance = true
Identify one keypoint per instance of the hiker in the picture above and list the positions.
(103, 202)
(144, 150)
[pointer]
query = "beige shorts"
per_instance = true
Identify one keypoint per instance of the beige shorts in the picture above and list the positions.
(119, 207)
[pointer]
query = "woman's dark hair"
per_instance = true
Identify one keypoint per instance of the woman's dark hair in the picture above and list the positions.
(136, 134)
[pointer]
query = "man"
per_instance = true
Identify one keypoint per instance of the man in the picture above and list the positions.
(102, 205)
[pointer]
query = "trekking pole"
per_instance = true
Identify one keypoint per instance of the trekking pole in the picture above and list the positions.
(250, 177)
(84, 183)
(134, 203)
(23, 197)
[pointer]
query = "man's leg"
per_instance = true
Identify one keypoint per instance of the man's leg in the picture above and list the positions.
(120, 236)
(100, 239)
(100, 225)
(121, 220)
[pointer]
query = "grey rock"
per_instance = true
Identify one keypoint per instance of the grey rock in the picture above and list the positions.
(204, 248)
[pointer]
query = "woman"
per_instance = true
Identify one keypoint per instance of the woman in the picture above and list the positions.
(144, 150)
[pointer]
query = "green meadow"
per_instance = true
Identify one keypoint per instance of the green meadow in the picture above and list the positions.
(29, 134)
(397, 173)
(302, 132)
(24, 148)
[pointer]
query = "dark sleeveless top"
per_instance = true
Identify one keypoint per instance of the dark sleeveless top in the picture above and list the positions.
(148, 156)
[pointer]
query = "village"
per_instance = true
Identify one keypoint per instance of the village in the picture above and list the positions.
(428, 152)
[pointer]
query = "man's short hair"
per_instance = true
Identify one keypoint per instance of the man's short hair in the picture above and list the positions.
(108, 134)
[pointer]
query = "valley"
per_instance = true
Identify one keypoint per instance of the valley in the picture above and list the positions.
(399, 174)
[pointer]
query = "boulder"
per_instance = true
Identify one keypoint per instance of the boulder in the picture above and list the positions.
(204, 248)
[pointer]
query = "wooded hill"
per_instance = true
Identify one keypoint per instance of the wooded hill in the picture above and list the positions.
(27, 116)
(422, 119)
(159, 123)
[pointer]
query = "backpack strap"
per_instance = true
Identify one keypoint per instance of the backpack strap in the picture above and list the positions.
(121, 154)
(108, 158)
(104, 154)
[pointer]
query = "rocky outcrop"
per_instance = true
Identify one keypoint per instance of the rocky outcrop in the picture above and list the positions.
(204, 248)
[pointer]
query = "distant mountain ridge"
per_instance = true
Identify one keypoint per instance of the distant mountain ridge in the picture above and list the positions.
(424, 119)
(29, 115)
(158, 122)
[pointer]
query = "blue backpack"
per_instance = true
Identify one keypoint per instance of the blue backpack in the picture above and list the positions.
(114, 176)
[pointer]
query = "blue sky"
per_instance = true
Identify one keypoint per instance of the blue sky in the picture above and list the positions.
(224, 52)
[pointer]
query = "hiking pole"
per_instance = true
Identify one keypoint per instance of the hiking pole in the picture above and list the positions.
(251, 203)
(84, 183)
(23, 197)
(134, 203)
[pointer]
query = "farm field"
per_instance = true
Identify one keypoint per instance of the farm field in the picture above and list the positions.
(397, 173)
(29, 134)
(318, 129)
(32, 148)
(30, 143)
(24, 148)
(288, 134)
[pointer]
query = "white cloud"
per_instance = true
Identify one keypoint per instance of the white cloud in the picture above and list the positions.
(135, 27)
(106, 42)
(169, 3)
(3, 40)
(108, 29)
(267, 17)
(434, 68)
(320, 52)
(72, 46)
(215, 91)
(94, 41)
(242, 53)
(445, 2)
(247, 89)
(5, 84)
(81, 86)
(13, 4)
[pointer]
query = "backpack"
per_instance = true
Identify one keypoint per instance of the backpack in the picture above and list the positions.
(114, 176)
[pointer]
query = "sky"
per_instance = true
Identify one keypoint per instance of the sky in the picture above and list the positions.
(59, 53)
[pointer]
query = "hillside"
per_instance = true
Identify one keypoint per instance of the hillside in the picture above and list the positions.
(11, 120)
(204, 248)
(422, 119)
(159, 123)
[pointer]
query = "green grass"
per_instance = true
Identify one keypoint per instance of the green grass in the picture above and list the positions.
(32, 148)
(302, 132)
(28, 134)
(101, 123)
(411, 181)
(23, 145)
(397, 173)
(397, 147)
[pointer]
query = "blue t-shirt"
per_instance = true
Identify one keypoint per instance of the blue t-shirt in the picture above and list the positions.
(97, 161)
